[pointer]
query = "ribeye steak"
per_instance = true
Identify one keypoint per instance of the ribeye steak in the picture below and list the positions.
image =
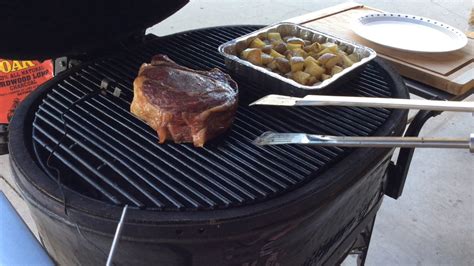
(182, 104)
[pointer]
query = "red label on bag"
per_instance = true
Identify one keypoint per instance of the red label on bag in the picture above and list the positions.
(17, 80)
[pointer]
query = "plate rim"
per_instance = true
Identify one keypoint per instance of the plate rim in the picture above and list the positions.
(357, 28)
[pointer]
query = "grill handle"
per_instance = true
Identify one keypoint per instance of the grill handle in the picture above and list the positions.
(271, 138)
(395, 103)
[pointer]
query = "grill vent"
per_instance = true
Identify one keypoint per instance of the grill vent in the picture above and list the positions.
(109, 155)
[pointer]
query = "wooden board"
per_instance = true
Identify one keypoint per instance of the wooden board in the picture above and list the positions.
(452, 72)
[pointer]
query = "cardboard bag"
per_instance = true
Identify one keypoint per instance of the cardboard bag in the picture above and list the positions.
(17, 80)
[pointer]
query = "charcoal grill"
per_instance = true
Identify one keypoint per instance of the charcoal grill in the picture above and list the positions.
(230, 203)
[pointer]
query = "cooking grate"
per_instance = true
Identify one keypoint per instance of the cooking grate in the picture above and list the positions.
(109, 155)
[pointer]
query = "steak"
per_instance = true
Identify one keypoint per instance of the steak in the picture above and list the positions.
(182, 104)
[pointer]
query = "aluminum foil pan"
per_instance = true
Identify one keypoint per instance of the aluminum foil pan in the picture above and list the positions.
(280, 84)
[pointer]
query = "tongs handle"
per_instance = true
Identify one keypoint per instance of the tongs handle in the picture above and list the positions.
(271, 138)
(326, 100)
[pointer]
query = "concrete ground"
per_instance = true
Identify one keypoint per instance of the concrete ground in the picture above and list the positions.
(433, 222)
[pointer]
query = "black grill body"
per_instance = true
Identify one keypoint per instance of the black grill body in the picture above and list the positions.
(230, 203)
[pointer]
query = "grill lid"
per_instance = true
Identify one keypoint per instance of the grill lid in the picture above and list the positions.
(53, 28)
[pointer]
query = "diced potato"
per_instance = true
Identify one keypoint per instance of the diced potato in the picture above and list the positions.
(296, 40)
(245, 53)
(332, 62)
(312, 80)
(289, 75)
(326, 51)
(315, 47)
(310, 59)
(346, 61)
(283, 64)
(325, 57)
(257, 43)
(335, 70)
(275, 54)
(302, 60)
(301, 77)
(274, 36)
(267, 48)
(266, 59)
(331, 46)
(341, 53)
(296, 63)
(300, 52)
(312, 68)
(280, 47)
(286, 38)
(329, 60)
(354, 57)
(313, 54)
(255, 56)
(273, 65)
(324, 76)
(296, 52)
(293, 46)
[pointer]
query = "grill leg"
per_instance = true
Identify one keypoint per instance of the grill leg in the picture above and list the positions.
(361, 246)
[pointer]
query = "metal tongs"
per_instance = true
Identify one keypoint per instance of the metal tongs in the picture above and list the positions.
(326, 100)
(272, 138)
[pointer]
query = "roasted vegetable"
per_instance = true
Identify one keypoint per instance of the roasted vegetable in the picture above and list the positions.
(283, 65)
(301, 77)
(335, 70)
(315, 47)
(267, 48)
(354, 57)
(245, 53)
(266, 59)
(325, 76)
(306, 62)
(295, 40)
(275, 54)
(312, 80)
(274, 36)
(296, 63)
(296, 52)
(330, 45)
(253, 55)
(329, 60)
(280, 47)
(346, 61)
(273, 65)
(257, 43)
(311, 67)
(326, 51)
(293, 46)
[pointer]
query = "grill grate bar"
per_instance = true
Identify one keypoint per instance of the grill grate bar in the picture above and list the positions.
(298, 157)
(96, 141)
(154, 143)
(80, 173)
(154, 135)
(284, 127)
(91, 168)
(106, 161)
(190, 189)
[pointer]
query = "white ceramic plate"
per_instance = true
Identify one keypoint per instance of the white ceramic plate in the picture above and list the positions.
(409, 33)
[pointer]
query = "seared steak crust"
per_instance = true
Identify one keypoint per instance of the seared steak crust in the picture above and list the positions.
(182, 104)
